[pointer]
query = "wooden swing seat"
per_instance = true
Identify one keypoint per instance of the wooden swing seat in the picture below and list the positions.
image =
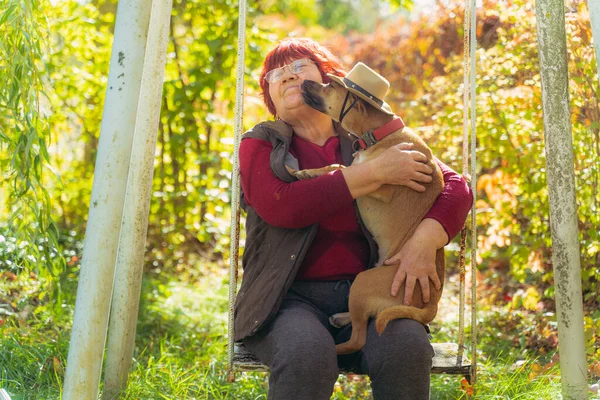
(445, 361)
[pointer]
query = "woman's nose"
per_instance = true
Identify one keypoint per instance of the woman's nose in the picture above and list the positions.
(287, 75)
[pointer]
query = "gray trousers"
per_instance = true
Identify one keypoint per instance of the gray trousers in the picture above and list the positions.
(298, 346)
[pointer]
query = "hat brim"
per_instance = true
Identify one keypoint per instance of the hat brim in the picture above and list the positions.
(383, 106)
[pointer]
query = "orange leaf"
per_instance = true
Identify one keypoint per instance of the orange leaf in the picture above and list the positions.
(56, 364)
(9, 276)
(595, 368)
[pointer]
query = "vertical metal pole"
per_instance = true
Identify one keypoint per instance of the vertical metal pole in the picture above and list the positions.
(469, 120)
(561, 190)
(594, 7)
(473, 87)
(235, 185)
(84, 363)
(130, 256)
(465, 171)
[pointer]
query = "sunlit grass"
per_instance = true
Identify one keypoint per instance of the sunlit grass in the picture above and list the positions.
(31, 364)
(181, 354)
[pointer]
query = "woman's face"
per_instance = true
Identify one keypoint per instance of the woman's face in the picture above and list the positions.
(286, 93)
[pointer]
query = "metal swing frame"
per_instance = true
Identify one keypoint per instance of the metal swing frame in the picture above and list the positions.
(448, 357)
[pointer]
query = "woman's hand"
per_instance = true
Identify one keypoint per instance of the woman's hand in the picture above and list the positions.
(400, 165)
(417, 260)
(397, 165)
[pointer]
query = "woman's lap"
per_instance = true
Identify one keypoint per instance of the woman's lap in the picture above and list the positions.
(299, 348)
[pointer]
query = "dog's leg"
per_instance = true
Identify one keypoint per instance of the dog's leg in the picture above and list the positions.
(313, 173)
(359, 315)
(358, 337)
(339, 320)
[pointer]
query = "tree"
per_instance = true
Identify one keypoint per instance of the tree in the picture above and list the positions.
(24, 139)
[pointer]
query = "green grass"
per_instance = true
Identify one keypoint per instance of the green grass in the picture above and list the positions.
(181, 354)
(31, 365)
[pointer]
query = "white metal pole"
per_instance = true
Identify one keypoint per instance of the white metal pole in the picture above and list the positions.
(594, 8)
(561, 192)
(130, 256)
(84, 363)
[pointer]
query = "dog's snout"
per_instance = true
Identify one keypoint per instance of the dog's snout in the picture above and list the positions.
(309, 84)
(310, 95)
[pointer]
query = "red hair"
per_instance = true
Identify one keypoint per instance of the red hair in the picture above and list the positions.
(291, 49)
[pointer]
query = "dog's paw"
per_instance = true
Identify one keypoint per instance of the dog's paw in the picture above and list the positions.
(291, 170)
(305, 174)
(339, 320)
(334, 167)
(313, 173)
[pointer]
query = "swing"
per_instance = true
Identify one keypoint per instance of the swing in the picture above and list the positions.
(448, 357)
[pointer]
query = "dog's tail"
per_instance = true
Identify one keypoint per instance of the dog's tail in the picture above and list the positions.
(357, 340)
(423, 315)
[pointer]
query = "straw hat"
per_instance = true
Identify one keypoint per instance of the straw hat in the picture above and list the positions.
(366, 84)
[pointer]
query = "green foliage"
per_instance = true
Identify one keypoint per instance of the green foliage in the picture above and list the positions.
(356, 15)
(338, 15)
(24, 131)
(507, 378)
(32, 365)
(189, 210)
(48, 295)
(76, 83)
(307, 12)
(15, 254)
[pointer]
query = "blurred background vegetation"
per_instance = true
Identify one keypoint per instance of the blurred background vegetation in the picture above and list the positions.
(54, 62)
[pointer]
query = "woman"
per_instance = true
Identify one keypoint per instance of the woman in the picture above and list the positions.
(305, 243)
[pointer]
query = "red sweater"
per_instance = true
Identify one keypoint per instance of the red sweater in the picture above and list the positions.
(339, 250)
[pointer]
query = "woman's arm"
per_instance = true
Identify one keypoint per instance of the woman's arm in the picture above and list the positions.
(453, 204)
(287, 205)
(305, 202)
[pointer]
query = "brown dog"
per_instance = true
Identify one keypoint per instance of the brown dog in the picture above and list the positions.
(391, 214)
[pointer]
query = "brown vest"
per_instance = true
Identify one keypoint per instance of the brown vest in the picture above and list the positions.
(272, 255)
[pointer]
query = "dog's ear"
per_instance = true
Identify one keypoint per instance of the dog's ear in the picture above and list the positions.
(361, 105)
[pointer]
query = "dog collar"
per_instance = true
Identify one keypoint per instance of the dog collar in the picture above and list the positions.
(370, 138)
